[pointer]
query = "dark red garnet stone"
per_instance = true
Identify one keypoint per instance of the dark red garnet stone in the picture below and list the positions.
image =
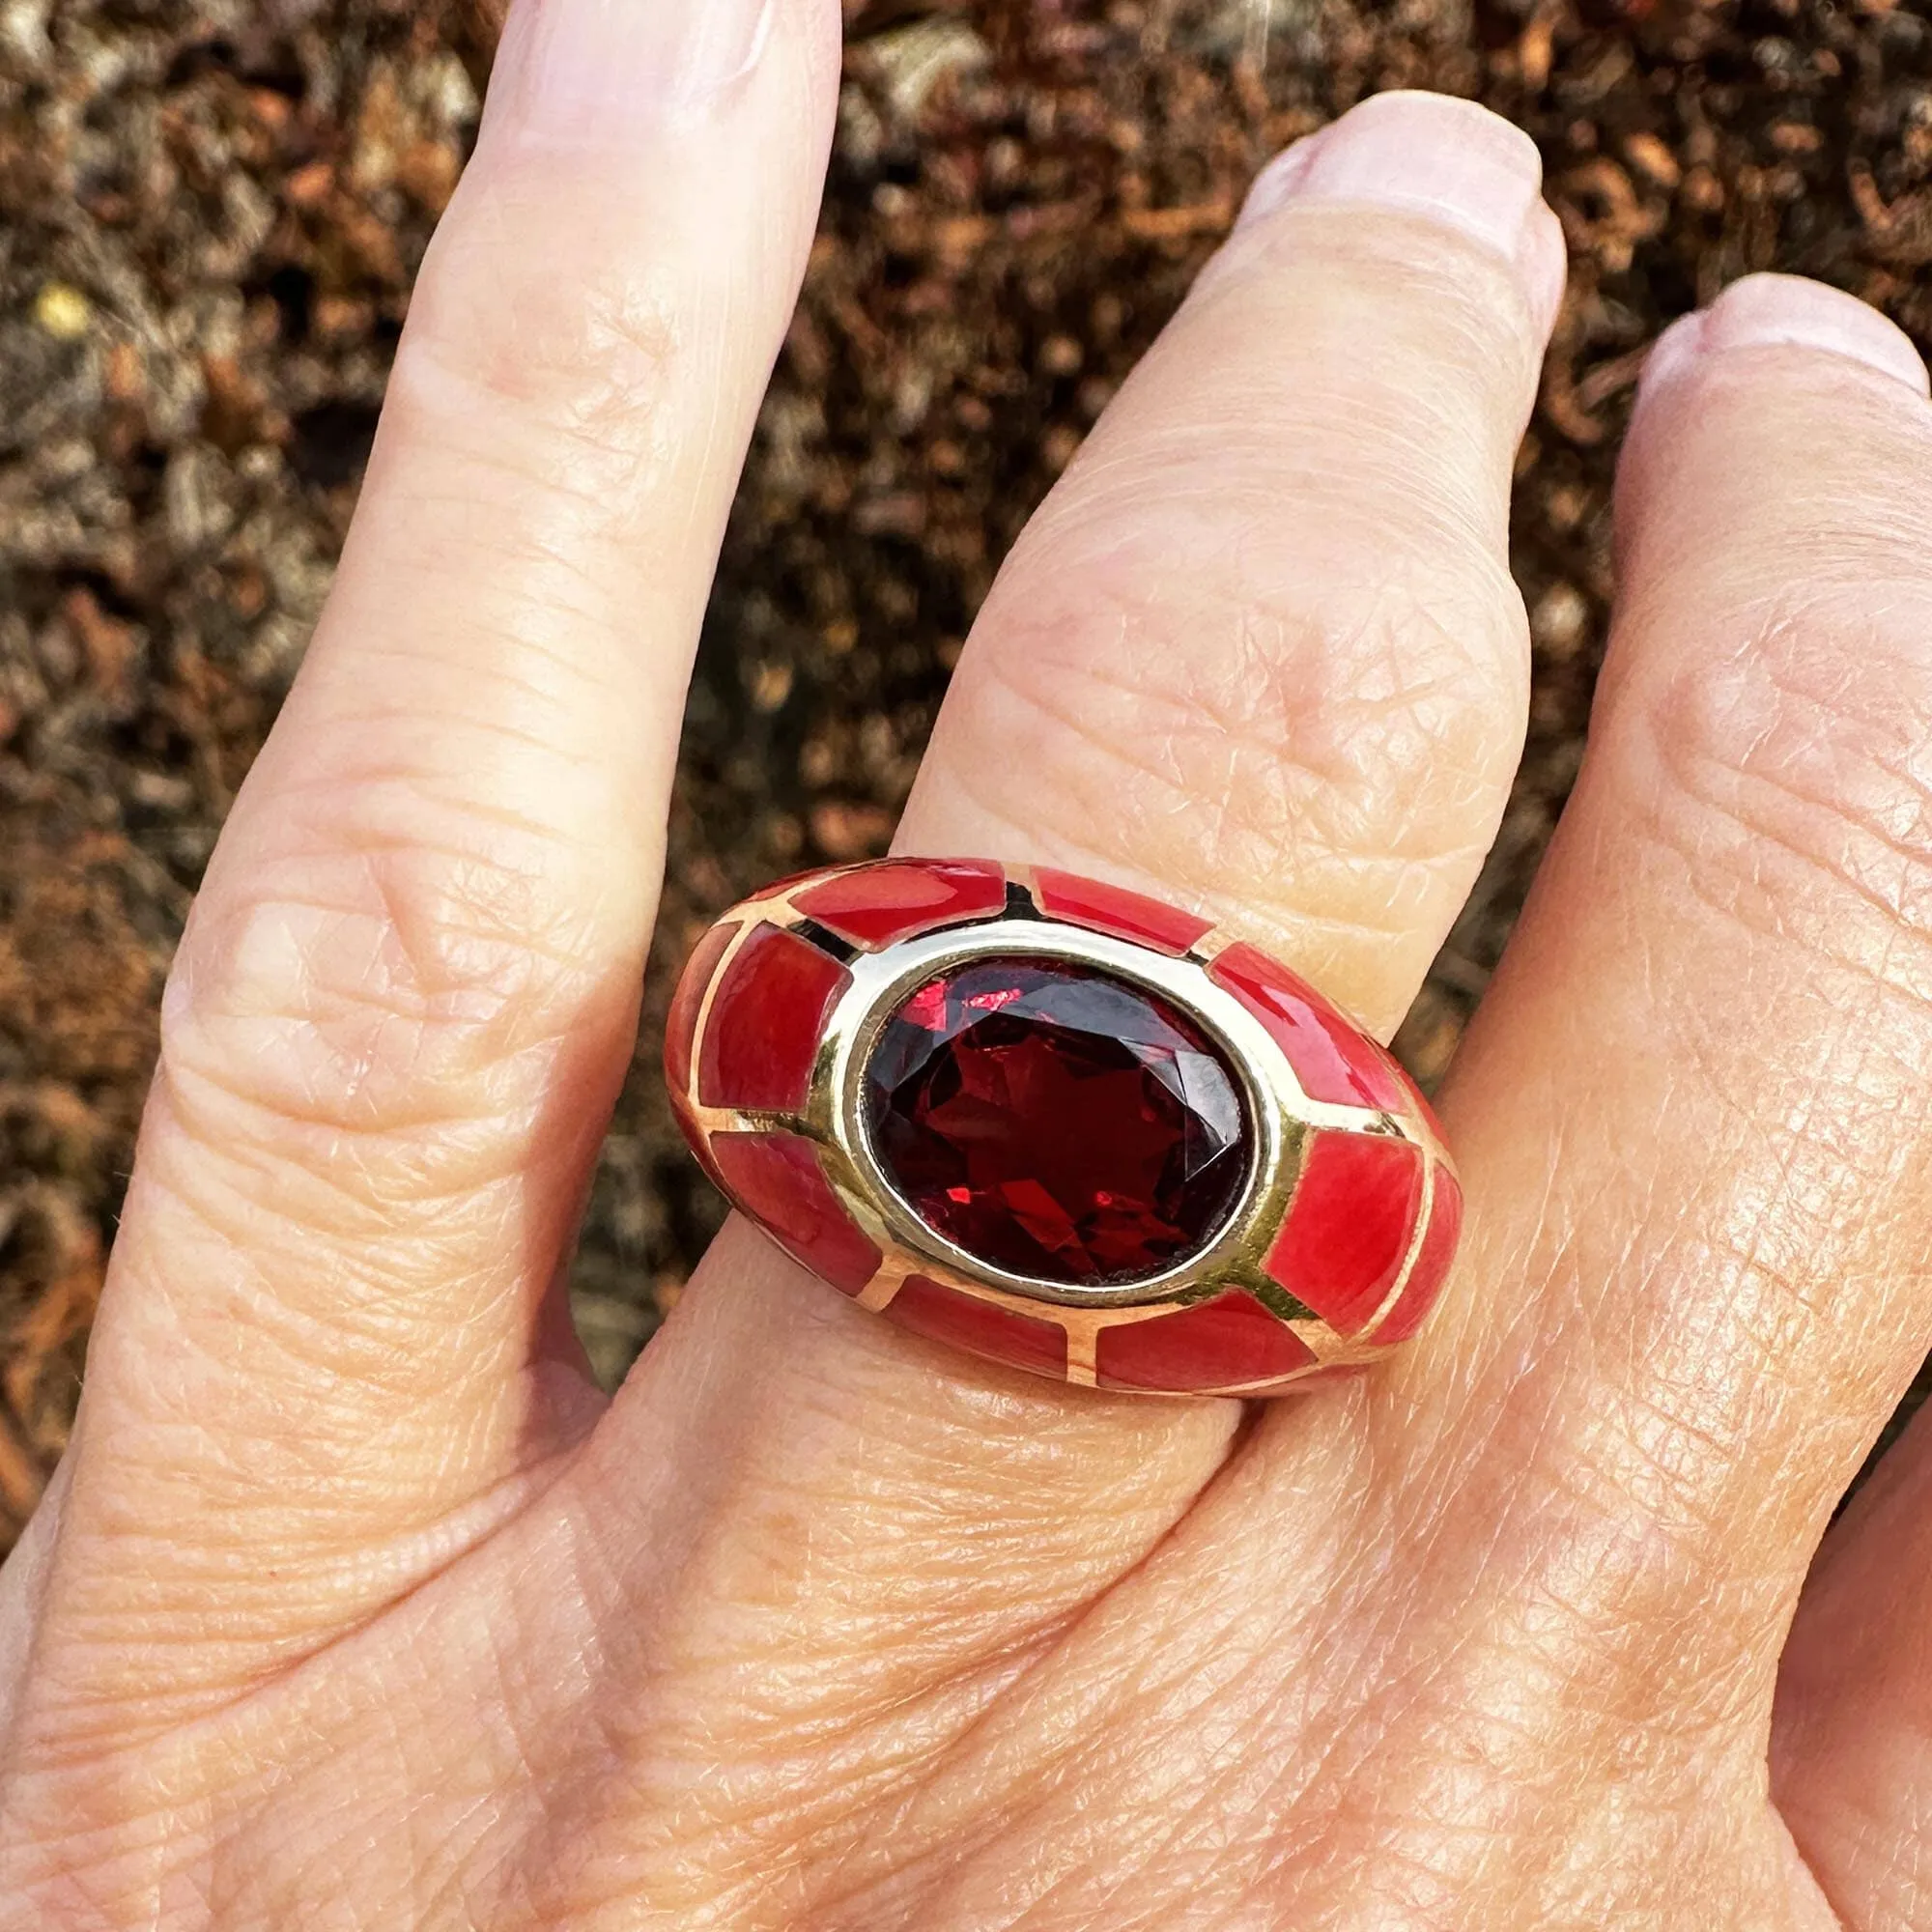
(1056, 1122)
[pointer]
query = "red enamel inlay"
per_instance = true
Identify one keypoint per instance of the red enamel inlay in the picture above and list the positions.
(929, 1308)
(776, 1180)
(695, 1136)
(1333, 1059)
(773, 888)
(1419, 1100)
(1432, 1264)
(1231, 1339)
(1111, 909)
(1350, 1225)
(762, 1032)
(879, 904)
(681, 1026)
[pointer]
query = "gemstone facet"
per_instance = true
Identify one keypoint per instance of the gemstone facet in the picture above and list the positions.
(1056, 1122)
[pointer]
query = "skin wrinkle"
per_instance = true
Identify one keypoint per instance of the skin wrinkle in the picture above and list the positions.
(364, 743)
(26, 1583)
(565, 516)
(1452, 1512)
(485, 1196)
(374, 945)
(564, 521)
(972, 1655)
(549, 591)
(1819, 1215)
(343, 1576)
(287, 1342)
(1254, 700)
(545, 588)
(478, 1526)
(342, 772)
(372, 991)
(362, 1180)
(561, 957)
(1066, 717)
(1853, 552)
(1709, 781)
(1614, 1475)
(1393, 501)
(1466, 295)
(348, 1342)
(596, 377)
(1400, 546)
(222, 1080)
(172, 1719)
(495, 822)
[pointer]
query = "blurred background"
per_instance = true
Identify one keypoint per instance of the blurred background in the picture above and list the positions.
(210, 218)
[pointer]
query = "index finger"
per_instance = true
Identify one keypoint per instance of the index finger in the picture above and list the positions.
(408, 993)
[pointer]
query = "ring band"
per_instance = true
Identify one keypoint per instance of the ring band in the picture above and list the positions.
(1063, 1125)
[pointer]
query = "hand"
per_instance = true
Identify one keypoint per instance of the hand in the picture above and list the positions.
(354, 1605)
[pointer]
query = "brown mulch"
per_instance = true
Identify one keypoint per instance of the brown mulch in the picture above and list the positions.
(212, 216)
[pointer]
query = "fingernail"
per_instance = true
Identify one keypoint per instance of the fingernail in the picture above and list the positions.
(1447, 161)
(1785, 312)
(576, 67)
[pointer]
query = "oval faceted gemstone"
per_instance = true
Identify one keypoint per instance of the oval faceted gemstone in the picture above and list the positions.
(1056, 1122)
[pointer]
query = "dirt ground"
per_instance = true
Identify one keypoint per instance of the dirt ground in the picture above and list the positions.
(209, 216)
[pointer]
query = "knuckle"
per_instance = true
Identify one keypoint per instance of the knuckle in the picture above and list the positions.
(1365, 727)
(1793, 773)
(535, 329)
(384, 1019)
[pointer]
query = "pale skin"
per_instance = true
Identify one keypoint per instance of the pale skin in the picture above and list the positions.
(355, 1606)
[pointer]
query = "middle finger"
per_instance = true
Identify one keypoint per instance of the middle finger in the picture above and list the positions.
(1260, 653)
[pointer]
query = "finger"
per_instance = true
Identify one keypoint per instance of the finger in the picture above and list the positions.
(1692, 1116)
(1261, 654)
(1852, 1747)
(407, 994)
